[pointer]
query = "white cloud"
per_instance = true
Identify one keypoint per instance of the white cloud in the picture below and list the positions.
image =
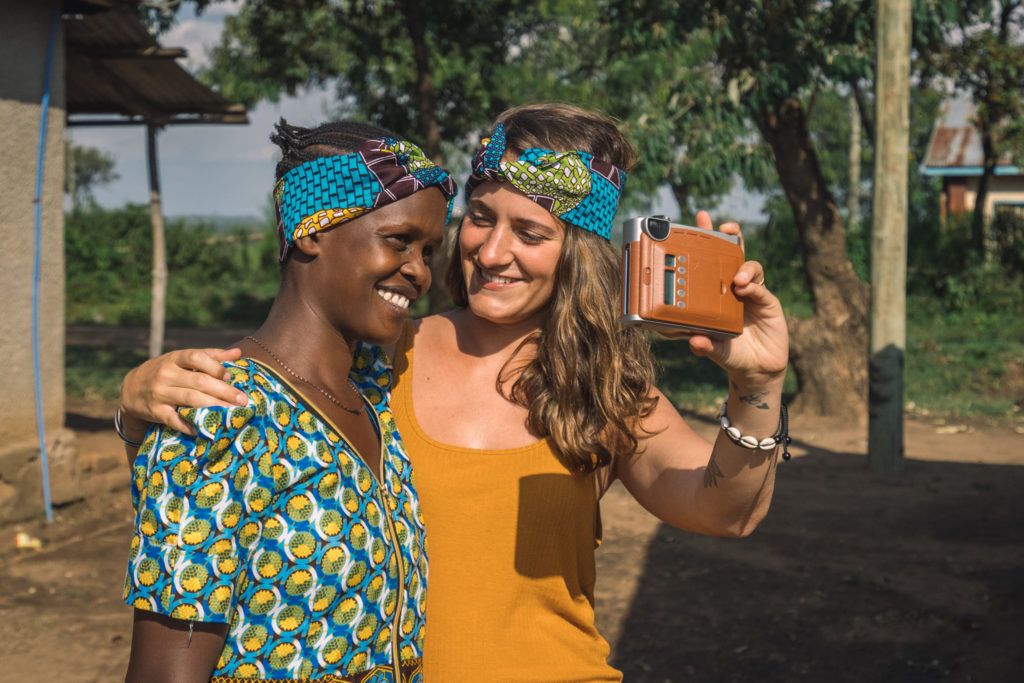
(198, 34)
(218, 10)
(197, 37)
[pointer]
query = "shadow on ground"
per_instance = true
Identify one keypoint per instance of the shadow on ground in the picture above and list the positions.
(852, 577)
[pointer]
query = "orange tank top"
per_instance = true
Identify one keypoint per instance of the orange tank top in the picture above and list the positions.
(510, 540)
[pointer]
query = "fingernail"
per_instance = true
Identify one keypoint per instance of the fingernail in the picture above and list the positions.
(241, 399)
(226, 377)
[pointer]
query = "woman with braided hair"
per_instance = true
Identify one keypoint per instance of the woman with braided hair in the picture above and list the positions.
(281, 537)
(522, 405)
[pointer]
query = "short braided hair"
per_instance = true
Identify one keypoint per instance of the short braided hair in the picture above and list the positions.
(299, 145)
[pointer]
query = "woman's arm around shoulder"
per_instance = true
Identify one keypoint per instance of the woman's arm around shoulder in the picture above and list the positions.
(152, 392)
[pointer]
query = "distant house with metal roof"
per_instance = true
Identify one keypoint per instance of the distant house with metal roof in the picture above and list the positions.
(955, 154)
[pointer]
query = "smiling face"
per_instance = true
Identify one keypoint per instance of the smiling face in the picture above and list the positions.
(509, 248)
(371, 269)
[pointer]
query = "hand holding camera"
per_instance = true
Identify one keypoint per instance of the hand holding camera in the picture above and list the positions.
(678, 278)
(693, 281)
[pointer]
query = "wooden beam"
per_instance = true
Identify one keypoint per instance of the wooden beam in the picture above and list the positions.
(150, 52)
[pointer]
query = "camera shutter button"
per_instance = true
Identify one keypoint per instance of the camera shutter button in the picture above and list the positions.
(647, 276)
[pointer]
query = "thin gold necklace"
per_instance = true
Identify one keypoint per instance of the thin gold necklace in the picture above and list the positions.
(329, 395)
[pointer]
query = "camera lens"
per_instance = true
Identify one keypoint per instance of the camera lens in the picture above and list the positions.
(658, 228)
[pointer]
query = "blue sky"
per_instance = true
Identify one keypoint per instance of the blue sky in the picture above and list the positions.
(228, 170)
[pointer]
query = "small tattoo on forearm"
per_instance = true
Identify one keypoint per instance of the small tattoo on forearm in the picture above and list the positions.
(712, 474)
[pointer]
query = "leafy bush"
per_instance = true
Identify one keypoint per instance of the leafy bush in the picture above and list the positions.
(946, 268)
(1008, 227)
(215, 279)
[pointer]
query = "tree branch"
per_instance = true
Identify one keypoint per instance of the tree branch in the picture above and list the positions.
(865, 118)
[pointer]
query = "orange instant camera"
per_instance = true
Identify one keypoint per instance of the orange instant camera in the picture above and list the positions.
(677, 278)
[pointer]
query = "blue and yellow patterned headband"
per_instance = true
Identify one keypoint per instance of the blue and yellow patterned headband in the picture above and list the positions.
(573, 186)
(325, 192)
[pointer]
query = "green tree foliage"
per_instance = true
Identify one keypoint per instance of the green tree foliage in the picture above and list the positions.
(87, 167)
(432, 72)
(708, 91)
(215, 278)
(667, 94)
(686, 120)
(444, 74)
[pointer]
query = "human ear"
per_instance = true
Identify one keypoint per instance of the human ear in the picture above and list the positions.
(309, 245)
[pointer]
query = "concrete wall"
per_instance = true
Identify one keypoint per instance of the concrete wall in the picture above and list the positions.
(24, 35)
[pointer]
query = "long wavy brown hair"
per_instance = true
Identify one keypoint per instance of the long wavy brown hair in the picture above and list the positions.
(588, 384)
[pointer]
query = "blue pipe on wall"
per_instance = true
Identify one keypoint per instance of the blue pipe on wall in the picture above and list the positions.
(44, 120)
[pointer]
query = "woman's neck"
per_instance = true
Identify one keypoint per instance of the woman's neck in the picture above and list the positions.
(295, 336)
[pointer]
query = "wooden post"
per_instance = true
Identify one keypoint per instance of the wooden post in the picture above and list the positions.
(889, 239)
(69, 171)
(158, 306)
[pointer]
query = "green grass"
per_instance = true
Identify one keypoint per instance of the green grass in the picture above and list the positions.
(955, 363)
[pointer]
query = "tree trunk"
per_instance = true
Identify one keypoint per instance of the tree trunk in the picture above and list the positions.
(828, 350)
(426, 99)
(158, 307)
(682, 194)
(853, 193)
(980, 223)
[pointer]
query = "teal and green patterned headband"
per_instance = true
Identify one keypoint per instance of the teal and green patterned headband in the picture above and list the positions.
(573, 186)
(328, 191)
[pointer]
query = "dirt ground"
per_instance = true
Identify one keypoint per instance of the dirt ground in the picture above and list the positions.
(853, 576)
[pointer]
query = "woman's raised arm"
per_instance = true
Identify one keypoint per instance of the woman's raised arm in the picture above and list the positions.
(722, 488)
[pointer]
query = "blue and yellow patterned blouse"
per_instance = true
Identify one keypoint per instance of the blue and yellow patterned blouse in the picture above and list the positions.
(268, 520)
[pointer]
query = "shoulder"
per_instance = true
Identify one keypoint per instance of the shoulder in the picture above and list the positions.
(215, 422)
(435, 333)
(437, 324)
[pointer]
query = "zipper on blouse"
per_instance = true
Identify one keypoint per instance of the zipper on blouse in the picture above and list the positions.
(382, 496)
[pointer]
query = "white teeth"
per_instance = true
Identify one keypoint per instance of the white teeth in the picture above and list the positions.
(394, 298)
(496, 278)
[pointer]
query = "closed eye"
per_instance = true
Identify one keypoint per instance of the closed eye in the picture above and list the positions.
(531, 237)
(399, 241)
(480, 218)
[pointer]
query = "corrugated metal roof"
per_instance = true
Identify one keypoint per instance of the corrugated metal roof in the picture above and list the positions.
(955, 143)
(115, 68)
